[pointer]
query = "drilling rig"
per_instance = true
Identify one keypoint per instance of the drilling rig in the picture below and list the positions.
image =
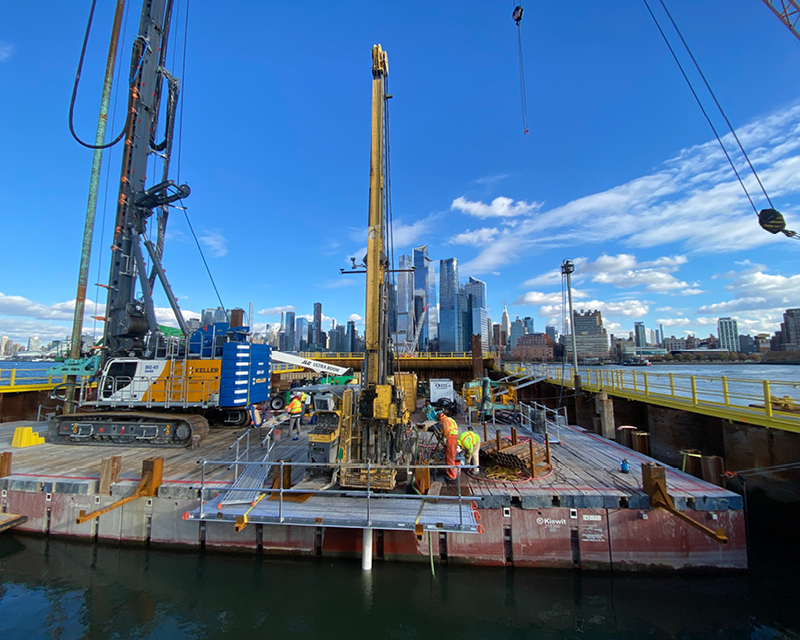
(151, 388)
(377, 435)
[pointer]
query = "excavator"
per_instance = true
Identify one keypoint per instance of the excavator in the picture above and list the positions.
(151, 388)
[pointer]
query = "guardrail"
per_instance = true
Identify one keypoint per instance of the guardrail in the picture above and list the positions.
(284, 493)
(769, 403)
(16, 380)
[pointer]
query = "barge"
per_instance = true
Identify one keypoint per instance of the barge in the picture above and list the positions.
(586, 513)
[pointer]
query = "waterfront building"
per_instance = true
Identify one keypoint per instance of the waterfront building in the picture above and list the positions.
(728, 331)
(34, 344)
(790, 331)
(450, 323)
(534, 347)
(674, 344)
(639, 335)
(747, 344)
(591, 339)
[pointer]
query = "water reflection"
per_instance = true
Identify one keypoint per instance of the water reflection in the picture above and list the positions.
(55, 589)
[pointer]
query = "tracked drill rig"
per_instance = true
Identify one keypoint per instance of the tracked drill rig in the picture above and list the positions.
(378, 432)
(154, 389)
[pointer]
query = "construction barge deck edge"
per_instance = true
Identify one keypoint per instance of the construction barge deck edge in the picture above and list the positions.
(586, 514)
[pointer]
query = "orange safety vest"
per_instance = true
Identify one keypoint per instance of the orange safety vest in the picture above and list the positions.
(468, 440)
(295, 407)
(449, 428)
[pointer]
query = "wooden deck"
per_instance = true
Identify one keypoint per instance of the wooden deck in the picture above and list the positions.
(586, 470)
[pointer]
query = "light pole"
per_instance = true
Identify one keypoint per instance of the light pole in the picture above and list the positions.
(567, 268)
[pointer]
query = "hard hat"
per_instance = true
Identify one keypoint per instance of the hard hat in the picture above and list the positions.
(441, 415)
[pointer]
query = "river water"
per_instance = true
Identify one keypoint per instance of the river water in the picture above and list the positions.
(66, 590)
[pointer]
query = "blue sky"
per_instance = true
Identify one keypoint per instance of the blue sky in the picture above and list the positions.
(619, 172)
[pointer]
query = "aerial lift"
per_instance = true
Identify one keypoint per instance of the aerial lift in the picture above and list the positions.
(153, 389)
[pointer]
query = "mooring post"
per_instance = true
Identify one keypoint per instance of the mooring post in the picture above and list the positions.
(366, 549)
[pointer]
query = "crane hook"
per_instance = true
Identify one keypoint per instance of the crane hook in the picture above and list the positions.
(517, 15)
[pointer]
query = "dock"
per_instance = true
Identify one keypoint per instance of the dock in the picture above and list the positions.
(586, 513)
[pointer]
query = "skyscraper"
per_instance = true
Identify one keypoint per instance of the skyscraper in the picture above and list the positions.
(728, 331)
(288, 330)
(639, 335)
(405, 302)
(517, 331)
(477, 290)
(301, 334)
(790, 330)
(450, 322)
(421, 291)
(317, 322)
(505, 327)
(551, 331)
(528, 323)
(591, 339)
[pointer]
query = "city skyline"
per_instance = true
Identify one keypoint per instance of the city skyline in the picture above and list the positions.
(621, 174)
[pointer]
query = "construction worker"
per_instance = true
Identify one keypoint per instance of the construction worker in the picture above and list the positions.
(470, 442)
(295, 409)
(450, 435)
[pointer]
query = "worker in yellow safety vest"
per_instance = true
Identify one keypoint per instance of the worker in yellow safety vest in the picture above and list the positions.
(295, 409)
(470, 442)
(450, 435)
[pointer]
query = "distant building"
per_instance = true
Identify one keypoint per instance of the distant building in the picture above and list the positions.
(728, 331)
(317, 322)
(406, 321)
(747, 345)
(534, 347)
(450, 320)
(505, 327)
(551, 332)
(790, 331)
(639, 334)
(674, 344)
(301, 334)
(34, 344)
(591, 339)
(517, 331)
(528, 324)
(288, 332)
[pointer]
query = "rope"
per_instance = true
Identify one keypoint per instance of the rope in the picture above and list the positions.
(75, 92)
(183, 91)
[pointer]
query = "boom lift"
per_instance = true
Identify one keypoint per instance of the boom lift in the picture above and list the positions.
(154, 389)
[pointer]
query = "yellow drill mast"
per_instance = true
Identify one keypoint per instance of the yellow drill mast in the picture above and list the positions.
(377, 434)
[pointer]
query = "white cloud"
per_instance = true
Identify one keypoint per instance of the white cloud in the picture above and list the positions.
(354, 317)
(410, 235)
(477, 238)
(537, 297)
(693, 200)
(500, 207)
(7, 50)
(623, 309)
(491, 181)
(216, 243)
(276, 311)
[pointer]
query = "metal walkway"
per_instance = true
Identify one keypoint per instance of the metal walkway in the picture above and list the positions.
(756, 402)
(395, 513)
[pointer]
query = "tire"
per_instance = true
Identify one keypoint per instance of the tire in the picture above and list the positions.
(277, 403)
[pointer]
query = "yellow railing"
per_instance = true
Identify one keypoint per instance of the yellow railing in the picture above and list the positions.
(359, 355)
(13, 380)
(769, 403)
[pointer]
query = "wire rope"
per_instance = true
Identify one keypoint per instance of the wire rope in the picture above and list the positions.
(202, 255)
(770, 219)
